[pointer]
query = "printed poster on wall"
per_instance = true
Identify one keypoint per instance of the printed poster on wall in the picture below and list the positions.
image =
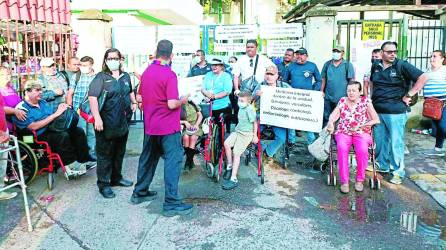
(284, 30)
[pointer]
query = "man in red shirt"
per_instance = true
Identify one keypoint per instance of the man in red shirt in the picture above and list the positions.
(4, 139)
(162, 107)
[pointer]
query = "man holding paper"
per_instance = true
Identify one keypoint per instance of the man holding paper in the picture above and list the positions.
(271, 79)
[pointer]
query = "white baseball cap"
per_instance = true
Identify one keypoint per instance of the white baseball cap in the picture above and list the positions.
(46, 62)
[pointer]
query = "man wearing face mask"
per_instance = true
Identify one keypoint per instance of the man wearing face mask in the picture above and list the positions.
(200, 65)
(77, 93)
(54, 84)
(376, 56)
(336, 73)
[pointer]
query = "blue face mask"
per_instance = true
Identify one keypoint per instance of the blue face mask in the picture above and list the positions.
(113, 65)
(242, 105)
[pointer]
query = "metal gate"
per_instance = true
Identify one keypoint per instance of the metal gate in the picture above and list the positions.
(424, 36)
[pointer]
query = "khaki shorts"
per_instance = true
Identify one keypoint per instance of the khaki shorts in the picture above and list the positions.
(239, 141)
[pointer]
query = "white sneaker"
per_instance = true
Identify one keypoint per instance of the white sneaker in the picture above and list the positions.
(70, 172)
(435, 152)
(7, 196)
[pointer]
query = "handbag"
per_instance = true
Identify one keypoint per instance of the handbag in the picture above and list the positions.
(67, 120)
(84, 109)
(250, 83)
(433, 108)
(320, 148)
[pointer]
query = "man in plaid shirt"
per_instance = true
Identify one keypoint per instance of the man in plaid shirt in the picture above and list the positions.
(53, 83)
(76, 95)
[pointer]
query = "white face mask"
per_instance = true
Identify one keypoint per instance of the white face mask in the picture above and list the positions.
(113, 65)
(242, 105)
(336, 56)
(196, 60)
(84, 70)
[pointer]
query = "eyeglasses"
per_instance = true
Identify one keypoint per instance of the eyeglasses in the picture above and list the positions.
(269, 74)
(38, 89)
(390, 51)
(113, 59)
(250, 62)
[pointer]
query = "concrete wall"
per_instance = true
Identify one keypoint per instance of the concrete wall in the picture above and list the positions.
(320, 33)
(94, 38)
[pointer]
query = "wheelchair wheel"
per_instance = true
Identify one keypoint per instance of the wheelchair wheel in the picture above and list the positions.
(209, 170)
(29, 163)
(50, 181)
(214, 144)
(331, 180)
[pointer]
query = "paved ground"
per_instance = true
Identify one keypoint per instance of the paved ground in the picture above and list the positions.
(294, 209)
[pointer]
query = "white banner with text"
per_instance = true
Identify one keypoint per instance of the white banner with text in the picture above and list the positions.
(292, 108)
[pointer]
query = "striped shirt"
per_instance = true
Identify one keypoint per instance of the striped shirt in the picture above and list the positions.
(436, 83)
(80, 88)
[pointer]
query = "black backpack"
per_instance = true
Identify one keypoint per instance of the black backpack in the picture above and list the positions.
(408, 83)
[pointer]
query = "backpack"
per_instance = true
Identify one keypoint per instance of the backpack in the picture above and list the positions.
(250, 83)
(65, 75)
(408, 83)
(67, 120)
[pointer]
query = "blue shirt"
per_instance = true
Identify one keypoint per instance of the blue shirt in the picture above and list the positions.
(33, 114)
(218, 84)
(283, 70)
(301, 76)
(337, 78)
(198, 71)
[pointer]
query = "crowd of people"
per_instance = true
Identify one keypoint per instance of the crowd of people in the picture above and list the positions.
(355, 113)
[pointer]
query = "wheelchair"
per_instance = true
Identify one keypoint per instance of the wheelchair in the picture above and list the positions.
(374, 182)
(212, 143)
(257, 150)
(37, 158)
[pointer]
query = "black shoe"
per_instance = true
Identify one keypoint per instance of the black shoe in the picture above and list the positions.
(181, 209)
(227, 175)
(122, 183)
(107, 192)
(143, 197)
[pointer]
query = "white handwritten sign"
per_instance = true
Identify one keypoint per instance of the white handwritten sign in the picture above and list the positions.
(191, 86)
(292, 108)
(284, 30)
(227, 32)
(278, 47)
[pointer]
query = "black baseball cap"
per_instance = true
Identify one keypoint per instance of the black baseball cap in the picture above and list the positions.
(302, 51)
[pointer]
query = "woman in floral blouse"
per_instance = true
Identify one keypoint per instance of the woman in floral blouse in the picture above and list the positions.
(356, 117)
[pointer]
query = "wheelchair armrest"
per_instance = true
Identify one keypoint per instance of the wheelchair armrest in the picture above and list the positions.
(36, 140)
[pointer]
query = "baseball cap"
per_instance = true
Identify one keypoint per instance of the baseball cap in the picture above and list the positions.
(46, 62)
(302, 51)
(216, 61)
(339, 47)
(32, 84)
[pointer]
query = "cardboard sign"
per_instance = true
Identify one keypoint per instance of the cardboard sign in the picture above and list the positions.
(292, 108)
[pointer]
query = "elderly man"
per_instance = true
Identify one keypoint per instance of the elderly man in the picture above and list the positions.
(271, 79)
(71, 144)
(390, 78)
(54, 84)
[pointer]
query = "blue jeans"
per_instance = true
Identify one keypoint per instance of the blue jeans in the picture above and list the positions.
(169, 147)
(91, 138)
(311, 137)
(440, 130)
(279, 139)
(389, 139)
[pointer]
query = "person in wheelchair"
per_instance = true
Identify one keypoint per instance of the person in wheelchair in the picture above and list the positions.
(191, 118)
(271, 79)
(356, 116)
(238, 141)
(71, 145)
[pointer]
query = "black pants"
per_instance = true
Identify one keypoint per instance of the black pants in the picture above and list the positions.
(227, 115)
(110, 154)
(71, 145)
(170, 149)
(234, 105)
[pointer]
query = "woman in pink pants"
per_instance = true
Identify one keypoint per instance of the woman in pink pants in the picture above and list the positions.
(356, 115)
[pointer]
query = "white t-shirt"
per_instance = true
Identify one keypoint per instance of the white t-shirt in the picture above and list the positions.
(243, 67)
